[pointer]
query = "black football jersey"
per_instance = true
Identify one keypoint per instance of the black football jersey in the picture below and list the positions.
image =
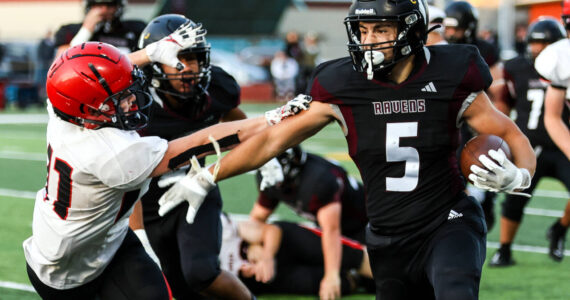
(489, 52)
(223, 96)
(319, 183)
(124, 35)
(525, 93)
(403, 137)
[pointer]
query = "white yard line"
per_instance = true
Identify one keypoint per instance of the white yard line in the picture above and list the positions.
(24, 119)
(23, 156)
(17, 286)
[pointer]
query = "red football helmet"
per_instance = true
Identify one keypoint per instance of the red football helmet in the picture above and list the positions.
(566, 13)
(87, 83)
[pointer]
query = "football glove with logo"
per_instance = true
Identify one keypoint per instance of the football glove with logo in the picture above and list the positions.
(192, 187)
(500, 176)
(271, 174)
(165, 51)
(292, 107)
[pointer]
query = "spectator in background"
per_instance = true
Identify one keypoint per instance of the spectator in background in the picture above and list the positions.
(311, 51)
(520, 39)
(284, 70)
(436, 17)
(45, 53)
(293, 46)
(102, 23)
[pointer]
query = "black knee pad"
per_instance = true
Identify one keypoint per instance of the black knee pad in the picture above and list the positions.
(513, 207)
(201, 272)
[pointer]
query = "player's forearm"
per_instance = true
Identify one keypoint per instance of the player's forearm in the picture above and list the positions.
(182, 149)
(253, 153)
(271, 239)
(559, 134)
(521, 149)
(332, 250)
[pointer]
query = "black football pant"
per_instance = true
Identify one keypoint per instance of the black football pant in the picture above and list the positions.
(300, 265)
(188, 253)
(550, 163)
(443, 261)
(131, 274)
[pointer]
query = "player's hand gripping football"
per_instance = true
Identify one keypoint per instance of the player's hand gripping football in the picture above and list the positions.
(271, 174)
(500, 176)
(192, 187)
(166, 50)
(291, 108)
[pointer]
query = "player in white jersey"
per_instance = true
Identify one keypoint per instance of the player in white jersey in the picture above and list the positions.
(81, 247)
(553, 63)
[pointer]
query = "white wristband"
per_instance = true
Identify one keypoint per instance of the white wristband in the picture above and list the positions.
(82, 36)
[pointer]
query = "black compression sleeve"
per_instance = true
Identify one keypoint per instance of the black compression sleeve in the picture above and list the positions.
(183, 157)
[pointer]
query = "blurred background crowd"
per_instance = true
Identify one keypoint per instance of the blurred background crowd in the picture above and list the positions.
(270, 47)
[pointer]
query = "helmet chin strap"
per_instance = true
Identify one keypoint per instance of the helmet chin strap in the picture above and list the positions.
(372, 58)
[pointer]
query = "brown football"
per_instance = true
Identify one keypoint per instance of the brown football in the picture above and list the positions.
(478, 145)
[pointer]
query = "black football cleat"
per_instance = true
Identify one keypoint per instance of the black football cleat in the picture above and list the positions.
(556, 234)
(502, 259)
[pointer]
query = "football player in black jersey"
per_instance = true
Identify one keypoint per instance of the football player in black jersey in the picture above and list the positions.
(102, 23)
(461, 24)
(322, 192)
(400, 105)
(186, 101)
(524, 92)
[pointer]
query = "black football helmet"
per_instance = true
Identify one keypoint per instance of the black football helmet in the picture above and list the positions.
(292, 161)
(107, 26)
(412, 21)
(546, 30)
(461, 14)
(566, 14)
(161, 27)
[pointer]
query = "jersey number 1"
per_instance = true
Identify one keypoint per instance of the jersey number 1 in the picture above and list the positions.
(64, 170)
(395, 153)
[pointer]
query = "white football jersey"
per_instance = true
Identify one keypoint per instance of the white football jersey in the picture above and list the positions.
(81, 216)
(230, 253)
(553, 63)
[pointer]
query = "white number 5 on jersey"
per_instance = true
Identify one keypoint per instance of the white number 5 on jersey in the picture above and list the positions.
(395, 153)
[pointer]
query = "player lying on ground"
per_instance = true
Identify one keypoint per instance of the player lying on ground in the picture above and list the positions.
(285, 257)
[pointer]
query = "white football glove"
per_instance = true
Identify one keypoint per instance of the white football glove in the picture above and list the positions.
(271, 174)
(193, 188)
(166, 50)
(502, 177)
(291, 108)
(171, 178)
